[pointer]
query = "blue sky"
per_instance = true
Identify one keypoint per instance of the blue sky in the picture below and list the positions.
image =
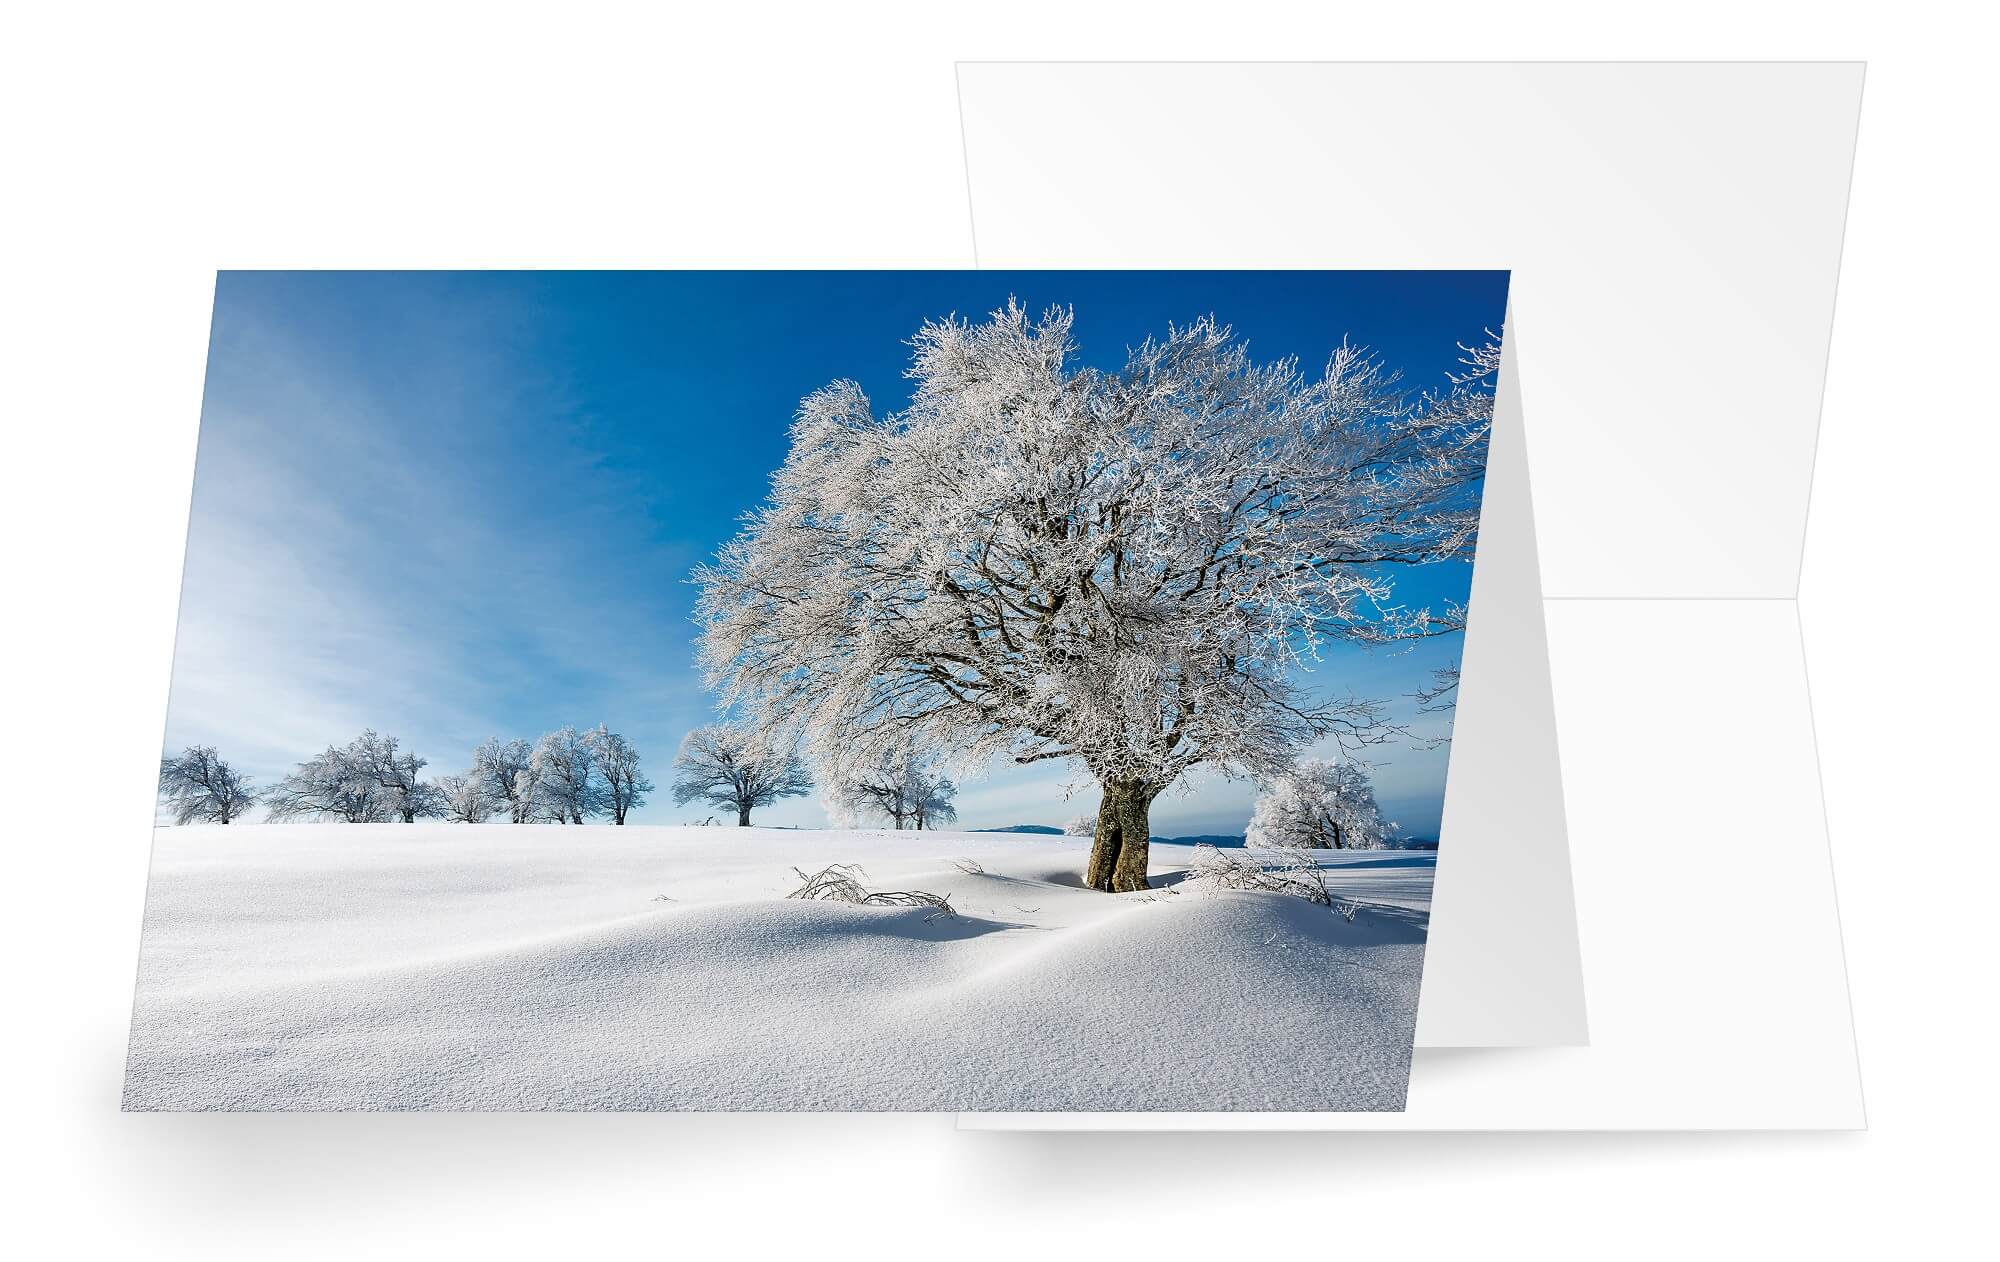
(455, 505)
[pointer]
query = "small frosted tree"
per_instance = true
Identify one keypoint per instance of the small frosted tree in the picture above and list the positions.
(868, 797)
(1081, 826)
(467, 799)
(1320, 806)
(328, 785)
(904, 791)
(404, 794)
(502, 766)
(933, 801)
(198, 787)
(732, 768)
(563, 783)
(1121, 569)
(369, 780)
(624, 786)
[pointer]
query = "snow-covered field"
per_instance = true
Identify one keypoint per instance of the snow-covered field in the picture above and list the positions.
(434, 966)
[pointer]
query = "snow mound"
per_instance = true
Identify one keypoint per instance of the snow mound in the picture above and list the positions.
(438, 967)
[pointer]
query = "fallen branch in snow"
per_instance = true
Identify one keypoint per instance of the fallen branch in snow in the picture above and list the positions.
(841, 883)
(971, 867)
(1273, 871)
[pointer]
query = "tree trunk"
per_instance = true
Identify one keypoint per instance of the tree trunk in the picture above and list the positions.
(743, 817)
(1120, 849)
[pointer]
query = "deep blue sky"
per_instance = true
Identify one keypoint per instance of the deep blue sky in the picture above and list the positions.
(453, 505)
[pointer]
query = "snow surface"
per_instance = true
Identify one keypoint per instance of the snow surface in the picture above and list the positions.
(438, 966)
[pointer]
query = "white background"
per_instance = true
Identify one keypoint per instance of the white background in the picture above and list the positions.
(143, 149)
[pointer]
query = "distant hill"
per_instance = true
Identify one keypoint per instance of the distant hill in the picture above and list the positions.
(1023, 828)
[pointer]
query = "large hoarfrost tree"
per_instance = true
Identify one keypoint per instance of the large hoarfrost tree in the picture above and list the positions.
(198, 787)
(732, 768)
(1123, 569)
(625, 785)
(1320, 805)
(503, 766)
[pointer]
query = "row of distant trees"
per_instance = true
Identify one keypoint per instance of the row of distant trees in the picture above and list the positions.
(568, 777)
(565, 777)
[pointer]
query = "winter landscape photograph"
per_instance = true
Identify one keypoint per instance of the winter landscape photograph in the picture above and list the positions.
(771, 690)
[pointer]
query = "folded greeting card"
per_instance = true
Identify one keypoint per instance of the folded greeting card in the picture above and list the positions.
(1644, 589)
(996, 690)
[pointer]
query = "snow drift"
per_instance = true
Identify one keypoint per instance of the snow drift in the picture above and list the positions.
(434, 966)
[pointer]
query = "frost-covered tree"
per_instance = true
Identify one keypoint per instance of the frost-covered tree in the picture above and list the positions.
(502, 766)
(1122, 569)
(329, 786)
(933, 802)
(468, 799)
(868, 795)
(405, 795)
(624, 786)
(198, 787)
(368, 780)
(1081, 826)
(1320, 805)
(732, 768)
(563, 783)
(903, 790)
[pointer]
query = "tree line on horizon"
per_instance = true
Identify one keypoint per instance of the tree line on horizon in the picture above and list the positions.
(569, 777)
(565, 777)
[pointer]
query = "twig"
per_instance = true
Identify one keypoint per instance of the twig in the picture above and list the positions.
(841, 883)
